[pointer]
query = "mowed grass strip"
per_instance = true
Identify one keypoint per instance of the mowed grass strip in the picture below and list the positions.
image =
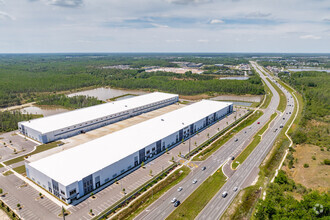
(20, 169)
(282, 105)
(256, 140)
(268, 96)
(39, 149)
(195, 203)
(222, 140)
(149, 197)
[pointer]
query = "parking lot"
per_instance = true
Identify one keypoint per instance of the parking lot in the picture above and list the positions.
(13, 145)
(34, 208)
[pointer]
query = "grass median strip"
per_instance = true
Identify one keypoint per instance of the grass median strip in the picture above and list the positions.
(217, 144)
(268, 96)
(149, 197)
(281, 107)
(20, 169)
(39, 149)
(256, 140)
(195, 203)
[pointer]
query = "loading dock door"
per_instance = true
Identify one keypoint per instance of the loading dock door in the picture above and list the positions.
(181, 135)
(191, 129)
(142, 155)
(159, 146)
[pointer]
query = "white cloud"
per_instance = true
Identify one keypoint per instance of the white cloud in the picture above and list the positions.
(258, 14)
(203, 41)
(6, 16)
(186, 2)
(216, 21)
(310, 36)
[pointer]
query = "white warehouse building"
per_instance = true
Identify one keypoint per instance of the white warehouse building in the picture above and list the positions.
(75, 172)
(71, 123)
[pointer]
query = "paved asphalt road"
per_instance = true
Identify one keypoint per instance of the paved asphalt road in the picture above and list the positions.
(217, 206)
(161, 208)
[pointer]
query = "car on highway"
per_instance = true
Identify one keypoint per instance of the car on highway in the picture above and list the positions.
(235, 189)
(204, 168)
(236, 139)
(173, 200)
(275, 130)
(177, 203)
(283, 118)
(180, 189)
(258, 123)
(232, 158)
(281, 126)
(194, 181)
(245, 132)
(224, 194)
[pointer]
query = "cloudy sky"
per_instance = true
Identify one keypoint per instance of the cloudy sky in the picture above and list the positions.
(42, 26)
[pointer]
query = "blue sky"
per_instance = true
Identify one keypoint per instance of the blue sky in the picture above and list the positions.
(46, 26)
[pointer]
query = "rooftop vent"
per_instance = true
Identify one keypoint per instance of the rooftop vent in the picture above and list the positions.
(162, 119)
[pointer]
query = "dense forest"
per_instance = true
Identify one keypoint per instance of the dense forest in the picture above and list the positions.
(24, 77)
(9, 120)
(281, 204)
(74, 102)
(315, 88)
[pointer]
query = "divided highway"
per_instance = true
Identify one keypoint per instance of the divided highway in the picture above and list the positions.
(162, 207)
(217, 206)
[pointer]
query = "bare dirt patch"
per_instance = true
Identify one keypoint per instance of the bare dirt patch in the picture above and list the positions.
(317, 175)
(195, 97)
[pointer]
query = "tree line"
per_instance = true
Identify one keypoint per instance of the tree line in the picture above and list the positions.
(9, 120)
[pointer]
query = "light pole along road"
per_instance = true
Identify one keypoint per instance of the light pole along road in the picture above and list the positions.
(217, 206)
(162, 207)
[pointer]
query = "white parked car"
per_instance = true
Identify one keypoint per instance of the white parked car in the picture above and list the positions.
(194, 181)
(173, 200)
(180, 189)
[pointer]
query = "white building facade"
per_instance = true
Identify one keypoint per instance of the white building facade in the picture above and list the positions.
(75, 122)
(78, 171)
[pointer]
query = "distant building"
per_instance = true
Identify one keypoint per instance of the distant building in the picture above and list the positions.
(71, 123)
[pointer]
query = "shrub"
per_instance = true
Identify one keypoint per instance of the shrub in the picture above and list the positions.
(313, 158)
(306, 165)
(326, 161)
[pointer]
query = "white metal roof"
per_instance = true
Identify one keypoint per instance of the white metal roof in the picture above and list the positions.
(76, 163)
(71, 118)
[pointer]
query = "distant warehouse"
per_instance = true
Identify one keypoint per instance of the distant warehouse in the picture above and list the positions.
(75, 172)
(71, 123)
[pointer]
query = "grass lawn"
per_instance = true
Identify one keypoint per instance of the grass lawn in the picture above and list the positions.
(268, 96)
(7, 173)
(39, 149)
(216, 145)
(20, 169)
(194, 204)
(149, 197)
(282, 105)
(256, 140)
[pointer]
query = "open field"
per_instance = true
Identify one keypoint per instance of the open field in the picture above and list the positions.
(317, 175)
(192, 206)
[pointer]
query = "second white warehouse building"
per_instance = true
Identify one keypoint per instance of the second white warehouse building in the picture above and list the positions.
(71, 123)
(75, 172)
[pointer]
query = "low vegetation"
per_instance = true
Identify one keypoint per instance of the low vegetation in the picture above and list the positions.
(268, 96)
(314, 125)
(20, 169)
(282, 105)
(74, 102)
(280, 202)
(9, 119)
(194, 204)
